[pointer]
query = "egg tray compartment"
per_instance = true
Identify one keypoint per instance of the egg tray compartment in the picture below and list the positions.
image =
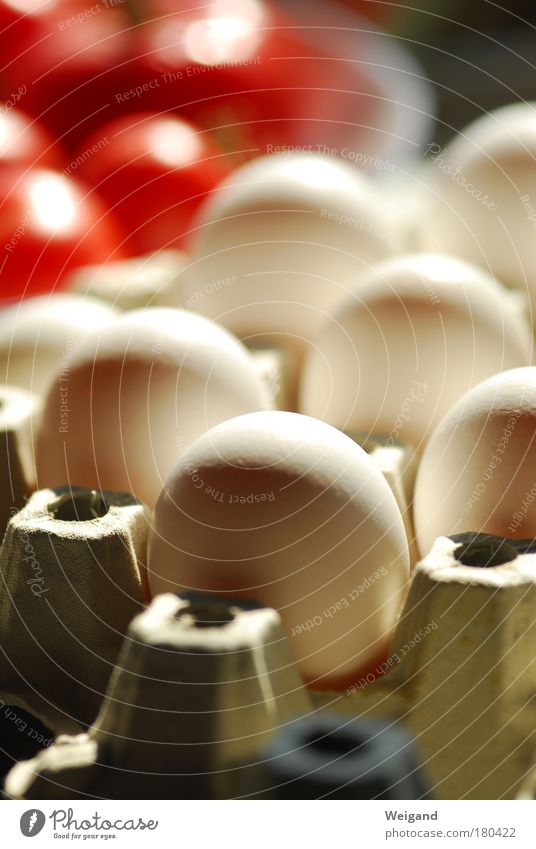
(460, 673)
(72, 577)
(202, 684)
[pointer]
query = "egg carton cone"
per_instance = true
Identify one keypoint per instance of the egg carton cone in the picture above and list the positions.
(154, 280)
(461, 672)
(200, 686)
(18, 414)
(520, 302)
(276, 366)
(72, 569)
(398, 463)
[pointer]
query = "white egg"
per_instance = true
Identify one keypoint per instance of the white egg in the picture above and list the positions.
(288, 510)
(413, 336)
(136, 395)
(477, 472)
(282, 239)
(482, 196)
(37, 336)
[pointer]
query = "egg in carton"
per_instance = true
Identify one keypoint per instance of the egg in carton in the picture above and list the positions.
(40, 343)
(225, 717)
(427, 675)
(204, 684)
(461, 650)
(200, 684)
(338, 471)
(345, 680)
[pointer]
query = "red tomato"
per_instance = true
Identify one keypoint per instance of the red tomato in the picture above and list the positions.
(243, 71)
(233, 66)
(48, 226)
(153, 171)
(69, 66)
(24, 142)
(21, 22)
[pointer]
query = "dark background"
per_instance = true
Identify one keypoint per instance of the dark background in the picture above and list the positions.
(479, 54)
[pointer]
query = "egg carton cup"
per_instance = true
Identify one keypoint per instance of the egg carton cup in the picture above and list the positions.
(18, 415)
(461, 672)
(202, 683)
(155, 280)
(521, 303)
(72, 572)
(277, 367)
(200, 686)
(398, 464)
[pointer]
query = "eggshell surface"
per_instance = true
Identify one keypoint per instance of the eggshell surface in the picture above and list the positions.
(38, 334)
(290, 233)
(482, 196)
(477, 472)
(286, 509)
(412, 337)
(136, 395)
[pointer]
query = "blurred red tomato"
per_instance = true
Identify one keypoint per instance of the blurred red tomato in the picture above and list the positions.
(21, 22)
(24, 142)
(48, 226)
(237, 67)
(70, 63)
(243, 71)
(153, 171)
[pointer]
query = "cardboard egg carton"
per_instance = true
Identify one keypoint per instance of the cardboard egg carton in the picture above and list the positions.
(72, 567)
(200, 686)
(18, 415)
(461, 672)
(398, 463)
(153, 280)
